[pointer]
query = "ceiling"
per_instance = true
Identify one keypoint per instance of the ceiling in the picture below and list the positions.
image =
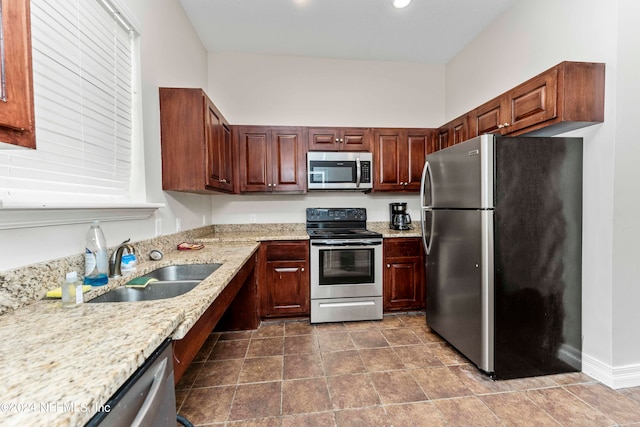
(427, 31)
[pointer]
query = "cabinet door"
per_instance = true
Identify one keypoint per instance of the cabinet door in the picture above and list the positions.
(288, 167)
(390, 161)
(459, 130)
(491, 117)
(283, 278)
(218, 149)
(533, 102)
(288, 288)
(417, 145)
(323, 139)
(354, 139)
(254, 150)
(403, 285)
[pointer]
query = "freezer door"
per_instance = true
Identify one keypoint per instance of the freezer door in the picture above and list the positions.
(460, 281)
(461, 176)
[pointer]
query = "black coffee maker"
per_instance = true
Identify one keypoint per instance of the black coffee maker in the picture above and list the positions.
(399, 219)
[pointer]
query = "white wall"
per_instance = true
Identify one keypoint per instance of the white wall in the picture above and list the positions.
(626, 232)
(529, 38)
(284, 90)
(281, 90)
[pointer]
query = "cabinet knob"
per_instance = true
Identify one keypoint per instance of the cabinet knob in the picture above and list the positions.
(268, 185)
(341, 140)
(302, 269)
(506, 124)
(337, 140)
(388, 265)
(223, 180)
(275, 185)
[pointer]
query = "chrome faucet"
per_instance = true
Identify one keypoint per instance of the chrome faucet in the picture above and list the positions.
(115, 262)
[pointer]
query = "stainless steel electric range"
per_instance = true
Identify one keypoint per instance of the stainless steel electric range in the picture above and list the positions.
(346, 266)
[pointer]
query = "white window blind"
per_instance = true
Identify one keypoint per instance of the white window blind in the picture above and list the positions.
(83, 94)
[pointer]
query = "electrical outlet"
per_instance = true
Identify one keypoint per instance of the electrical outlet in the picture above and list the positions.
(158, 226)
(178, 224)
(253, 218)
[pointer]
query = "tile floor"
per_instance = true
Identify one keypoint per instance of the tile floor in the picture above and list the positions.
(394, 372)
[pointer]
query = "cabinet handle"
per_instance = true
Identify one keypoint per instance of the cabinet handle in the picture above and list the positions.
(388, 265)
(223, 180)
(302, 269)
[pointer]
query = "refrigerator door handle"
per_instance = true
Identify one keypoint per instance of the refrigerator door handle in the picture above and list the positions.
(426, 172)
(425, 243)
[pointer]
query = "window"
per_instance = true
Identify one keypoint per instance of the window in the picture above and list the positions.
(16, 91)
(83, 82)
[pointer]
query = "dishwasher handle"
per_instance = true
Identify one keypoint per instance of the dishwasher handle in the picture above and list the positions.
(152, 401)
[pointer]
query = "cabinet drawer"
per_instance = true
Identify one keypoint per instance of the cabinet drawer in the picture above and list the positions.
(402, 247)
(287, 251)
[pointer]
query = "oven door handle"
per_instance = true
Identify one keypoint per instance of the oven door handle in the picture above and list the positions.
(343, 243)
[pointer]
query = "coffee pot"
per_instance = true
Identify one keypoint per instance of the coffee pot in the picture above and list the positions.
(399, 218)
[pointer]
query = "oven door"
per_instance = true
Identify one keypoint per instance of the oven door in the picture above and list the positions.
(346, 268)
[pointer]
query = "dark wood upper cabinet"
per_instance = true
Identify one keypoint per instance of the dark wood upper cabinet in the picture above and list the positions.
(566, 97)
(17, 117)
(453, 132)
(272, 159)
(398, 156)
(197, 150)
(339, 139)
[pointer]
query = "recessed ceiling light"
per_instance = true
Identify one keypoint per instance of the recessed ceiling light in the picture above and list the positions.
(399, 4)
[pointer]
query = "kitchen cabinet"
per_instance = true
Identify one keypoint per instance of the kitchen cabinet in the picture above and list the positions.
(283, 281)
(17, 114)
(453, 132)
(404, 279)
(272, 159)
(339, 139)
(565, 97)
(196, 144)
(398, 156)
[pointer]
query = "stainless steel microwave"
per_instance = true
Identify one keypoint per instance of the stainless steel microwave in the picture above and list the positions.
(337, 170)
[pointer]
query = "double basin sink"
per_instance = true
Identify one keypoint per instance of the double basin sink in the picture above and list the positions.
(171, 281)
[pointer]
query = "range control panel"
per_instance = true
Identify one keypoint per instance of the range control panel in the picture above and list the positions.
(336, 214)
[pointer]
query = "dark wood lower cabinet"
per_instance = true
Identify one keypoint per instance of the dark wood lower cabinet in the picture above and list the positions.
(237, 300)
(283, 279)
(404, 281)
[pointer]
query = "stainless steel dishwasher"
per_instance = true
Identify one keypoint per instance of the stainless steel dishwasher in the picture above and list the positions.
(147, 398)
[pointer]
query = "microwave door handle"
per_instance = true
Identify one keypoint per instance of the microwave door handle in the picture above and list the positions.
(358, 171)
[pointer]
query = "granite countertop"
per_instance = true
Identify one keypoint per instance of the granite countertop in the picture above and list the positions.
(68, 362)
(59, 365)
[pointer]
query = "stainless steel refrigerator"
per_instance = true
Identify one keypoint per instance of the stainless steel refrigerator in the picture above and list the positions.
(502, 230)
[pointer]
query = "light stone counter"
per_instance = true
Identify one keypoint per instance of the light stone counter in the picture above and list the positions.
(387, 233)
(59, 365)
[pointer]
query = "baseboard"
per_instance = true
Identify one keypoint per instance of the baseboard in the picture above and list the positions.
(614, 377)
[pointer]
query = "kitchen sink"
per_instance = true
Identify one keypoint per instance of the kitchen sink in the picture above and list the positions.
(172, 281)
(183, 272)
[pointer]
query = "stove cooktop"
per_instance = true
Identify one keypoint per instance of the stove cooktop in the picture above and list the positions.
(337, 233)
(338, 223)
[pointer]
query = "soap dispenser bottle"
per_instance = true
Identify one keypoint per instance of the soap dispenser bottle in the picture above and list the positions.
(96, 259)
(71, 290)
